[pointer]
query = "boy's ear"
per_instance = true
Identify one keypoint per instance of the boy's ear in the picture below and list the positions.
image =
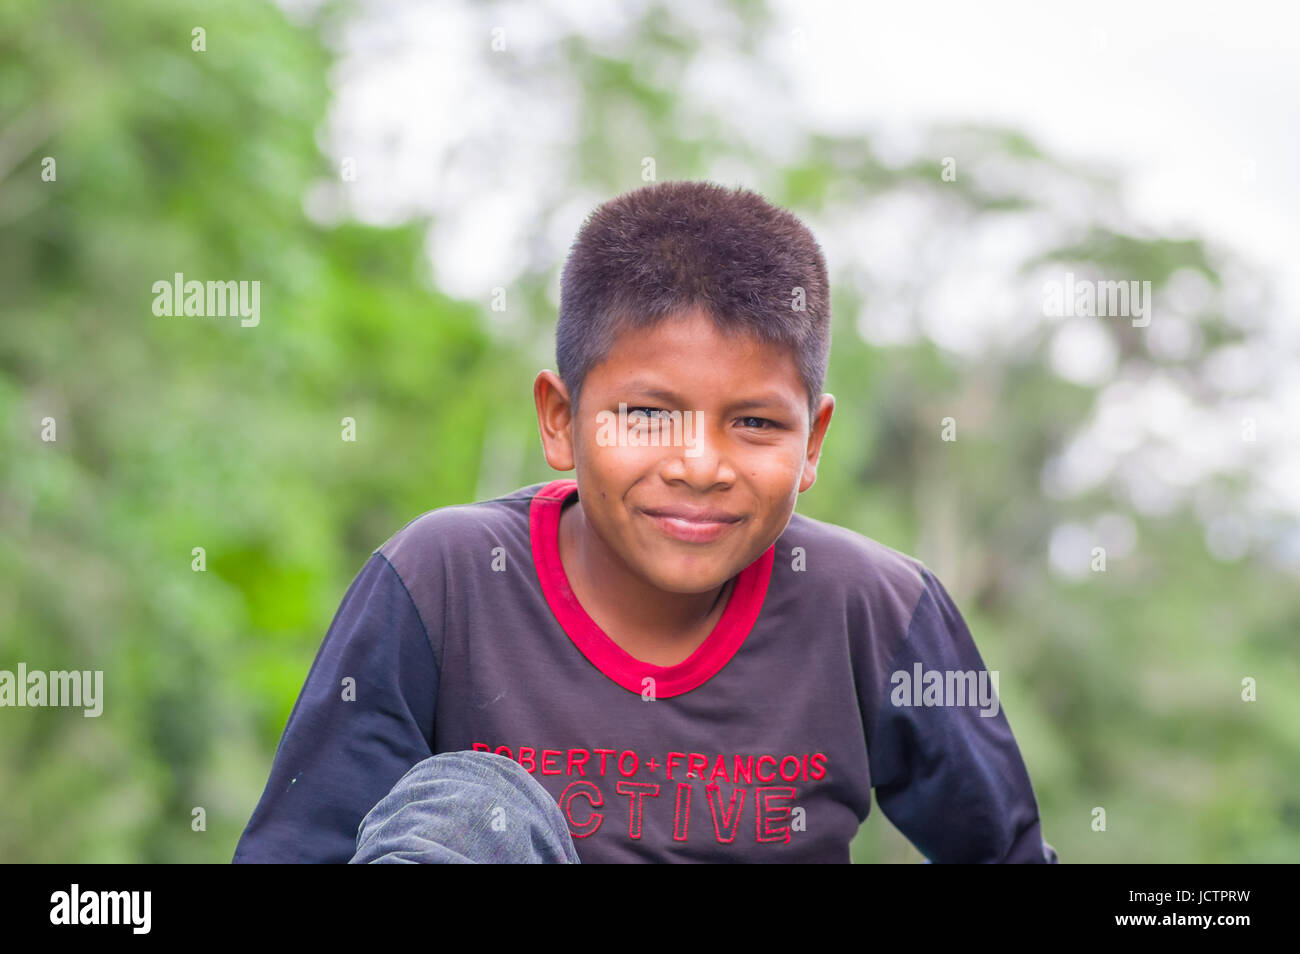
(821, 421)
(554, 419)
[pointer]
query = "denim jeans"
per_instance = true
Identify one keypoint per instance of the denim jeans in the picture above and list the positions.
(465, 808)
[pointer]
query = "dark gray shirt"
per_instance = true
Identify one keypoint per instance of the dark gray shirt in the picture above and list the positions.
(838, 666)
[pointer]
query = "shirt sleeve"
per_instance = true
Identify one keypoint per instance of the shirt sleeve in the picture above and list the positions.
(947, 771)
(347, 743)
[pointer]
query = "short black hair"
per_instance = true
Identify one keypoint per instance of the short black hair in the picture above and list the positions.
(662, 249)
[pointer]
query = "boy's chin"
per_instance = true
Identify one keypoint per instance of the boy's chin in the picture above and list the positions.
(685, 578)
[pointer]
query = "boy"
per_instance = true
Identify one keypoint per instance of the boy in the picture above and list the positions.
(690, 670)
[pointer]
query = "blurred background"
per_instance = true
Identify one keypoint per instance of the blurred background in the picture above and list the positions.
(404, 178)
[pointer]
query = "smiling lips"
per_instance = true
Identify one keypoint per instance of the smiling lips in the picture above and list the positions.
(692, 525)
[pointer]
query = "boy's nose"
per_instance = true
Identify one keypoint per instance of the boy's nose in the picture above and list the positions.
(700, 461)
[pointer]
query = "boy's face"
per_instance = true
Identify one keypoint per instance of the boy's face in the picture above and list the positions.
(688, 501)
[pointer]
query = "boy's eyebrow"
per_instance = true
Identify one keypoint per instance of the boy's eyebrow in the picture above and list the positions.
(766, 400)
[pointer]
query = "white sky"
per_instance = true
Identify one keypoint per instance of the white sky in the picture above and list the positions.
(1199, 101)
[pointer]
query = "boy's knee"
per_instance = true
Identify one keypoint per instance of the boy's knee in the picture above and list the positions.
(465, 807)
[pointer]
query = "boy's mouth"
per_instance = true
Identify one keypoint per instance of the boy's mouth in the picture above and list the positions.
(691, 525)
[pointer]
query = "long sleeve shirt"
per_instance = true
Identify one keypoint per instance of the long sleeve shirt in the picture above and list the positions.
(839, 665)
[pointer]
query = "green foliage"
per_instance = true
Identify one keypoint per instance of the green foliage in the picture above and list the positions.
(178, 432)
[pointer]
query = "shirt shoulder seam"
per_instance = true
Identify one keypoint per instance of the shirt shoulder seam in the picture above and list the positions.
(428, 639)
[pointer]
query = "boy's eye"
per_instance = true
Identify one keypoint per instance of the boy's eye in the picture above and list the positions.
(639, 415)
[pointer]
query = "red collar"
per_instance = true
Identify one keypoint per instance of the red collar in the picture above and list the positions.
(606, 655)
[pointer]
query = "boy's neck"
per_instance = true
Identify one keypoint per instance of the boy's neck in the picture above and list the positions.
(649, 624)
